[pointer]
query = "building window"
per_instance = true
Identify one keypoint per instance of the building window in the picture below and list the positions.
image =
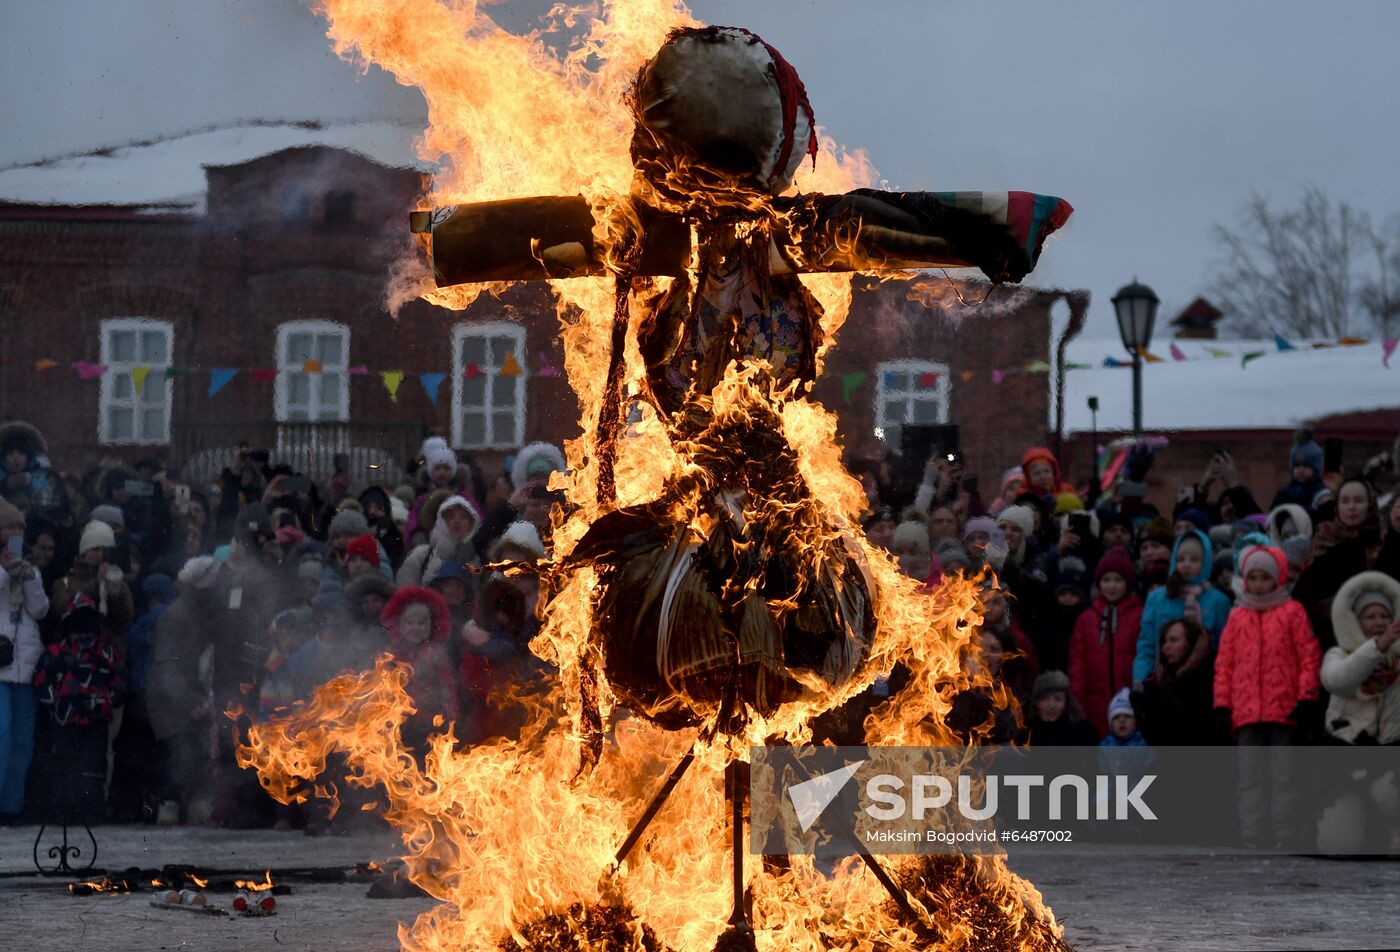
(488, 407)
(909, 392)
(135, 351)
(313, 372)
(296, 204)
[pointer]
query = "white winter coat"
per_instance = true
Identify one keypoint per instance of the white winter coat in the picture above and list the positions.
(1363, 683)
(22, 604)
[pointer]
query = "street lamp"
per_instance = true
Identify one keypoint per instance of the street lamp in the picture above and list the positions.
(1136, 307)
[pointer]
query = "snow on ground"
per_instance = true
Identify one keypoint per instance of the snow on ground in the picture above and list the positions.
(1277, 391)
(1131, 903)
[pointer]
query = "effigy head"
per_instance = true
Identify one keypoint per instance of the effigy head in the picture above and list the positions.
(719, 109)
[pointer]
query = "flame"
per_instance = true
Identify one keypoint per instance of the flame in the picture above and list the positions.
(201, 883)
(510, 836)
(104, 885)
(252, 885)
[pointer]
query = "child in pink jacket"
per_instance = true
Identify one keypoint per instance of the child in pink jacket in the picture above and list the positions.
(1266, 679)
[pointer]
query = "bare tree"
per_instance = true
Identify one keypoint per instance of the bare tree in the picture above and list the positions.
(1295, 270)
(1380, 295)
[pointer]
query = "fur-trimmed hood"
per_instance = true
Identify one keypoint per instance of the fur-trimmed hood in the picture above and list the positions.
(406, 596)
(25, 433)
(1294, 512)
(1345, 622)
(441, 537)
(532, 452)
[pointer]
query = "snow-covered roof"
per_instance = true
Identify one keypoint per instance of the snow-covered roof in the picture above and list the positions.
(1279, 390)
(167, 173)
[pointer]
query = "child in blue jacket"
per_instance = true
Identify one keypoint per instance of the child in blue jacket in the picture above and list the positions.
(1188, 594)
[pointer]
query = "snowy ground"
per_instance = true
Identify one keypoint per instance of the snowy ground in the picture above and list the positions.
(1106, 902)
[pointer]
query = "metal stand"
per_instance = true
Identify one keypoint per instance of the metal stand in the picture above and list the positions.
(739, 935)
(62, 808)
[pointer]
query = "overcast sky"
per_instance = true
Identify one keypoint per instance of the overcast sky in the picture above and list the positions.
(1154, 120)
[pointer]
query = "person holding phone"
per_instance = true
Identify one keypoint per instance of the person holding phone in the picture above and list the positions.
(22, 605)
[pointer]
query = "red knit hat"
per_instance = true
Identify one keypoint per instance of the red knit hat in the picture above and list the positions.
(1117, 560)
(365, 547)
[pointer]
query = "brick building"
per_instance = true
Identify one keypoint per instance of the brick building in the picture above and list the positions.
(283, 259)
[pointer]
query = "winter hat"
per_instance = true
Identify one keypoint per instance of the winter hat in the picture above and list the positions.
(911, 533)
(158, 587)
(1158, 530)
(449, 570)
(398, 510)
(1155, 573)
(1068, 502)
(369, 583)
(1047, 683)
(522, 537)
(112, 515)
(953, 555)
(1371, 597)
(81, 617)
(1072, 575)
(1242, 528)
(10, 516)
(1220, 537)
(333, 602)
(364, 546)
(460, 502)
(222, 553)
(1011, 477)
(1112, 517)
(435, 453)
(1306, 452)
(1118, 561)
(201, 572)
(1288, 521)
(1296, 551)
(539, 466)
(348, 522)
(1121, 704)
(1020, 517)
(983, 524)
(311, 569)
(1264, 558)
(415, 609)
(1196, 517)
(883, 514)
(1358, 593)
(96, 535)
(525, 465)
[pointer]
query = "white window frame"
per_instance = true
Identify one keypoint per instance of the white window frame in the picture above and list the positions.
(491, 370)
(884, 398)
(109, 399)
(286, 365)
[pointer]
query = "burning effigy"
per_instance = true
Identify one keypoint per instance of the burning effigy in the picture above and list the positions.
(706, 589)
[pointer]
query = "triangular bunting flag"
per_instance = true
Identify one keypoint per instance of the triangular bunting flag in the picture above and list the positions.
(926, 380)
(1282, 344)
(1037, 367)
(1388, 348)
(1113, 362)
(358, 371)
(172, 372)
(392, 379)
(1352, 342)
(1252, 355)
(1074, 366)
(45, 364)
(473, 371)
(311, 367)
(431, 382)
(546, 370)
(1150, 357)
(966, 375)
(1177, 353)
(138, 378)
(1217, 352)
(850, 383)
(889, 380)
(998, 376)
(262, 375)
(87, 371)
(509, 367)
(219, 378)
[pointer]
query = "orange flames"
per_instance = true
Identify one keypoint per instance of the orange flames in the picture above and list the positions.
(509, 832)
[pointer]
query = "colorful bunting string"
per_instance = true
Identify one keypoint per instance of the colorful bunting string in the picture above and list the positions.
(1177, 352)
(473, 371)
(358, 371)
(1252, 355)
(1388, 348)
(546, 369)
(392, 379)
(1282, 344)
(219, 378)
(312, 367)
(262, 375)
(509, 368)
(138, 378)
(431, 382)
(45, 364)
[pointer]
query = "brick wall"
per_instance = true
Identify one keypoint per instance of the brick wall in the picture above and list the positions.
(227, 280)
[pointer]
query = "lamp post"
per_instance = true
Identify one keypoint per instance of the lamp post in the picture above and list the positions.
(1094, 488)
(1136, 307)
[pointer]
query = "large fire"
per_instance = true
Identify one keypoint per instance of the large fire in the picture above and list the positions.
(520, 839)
